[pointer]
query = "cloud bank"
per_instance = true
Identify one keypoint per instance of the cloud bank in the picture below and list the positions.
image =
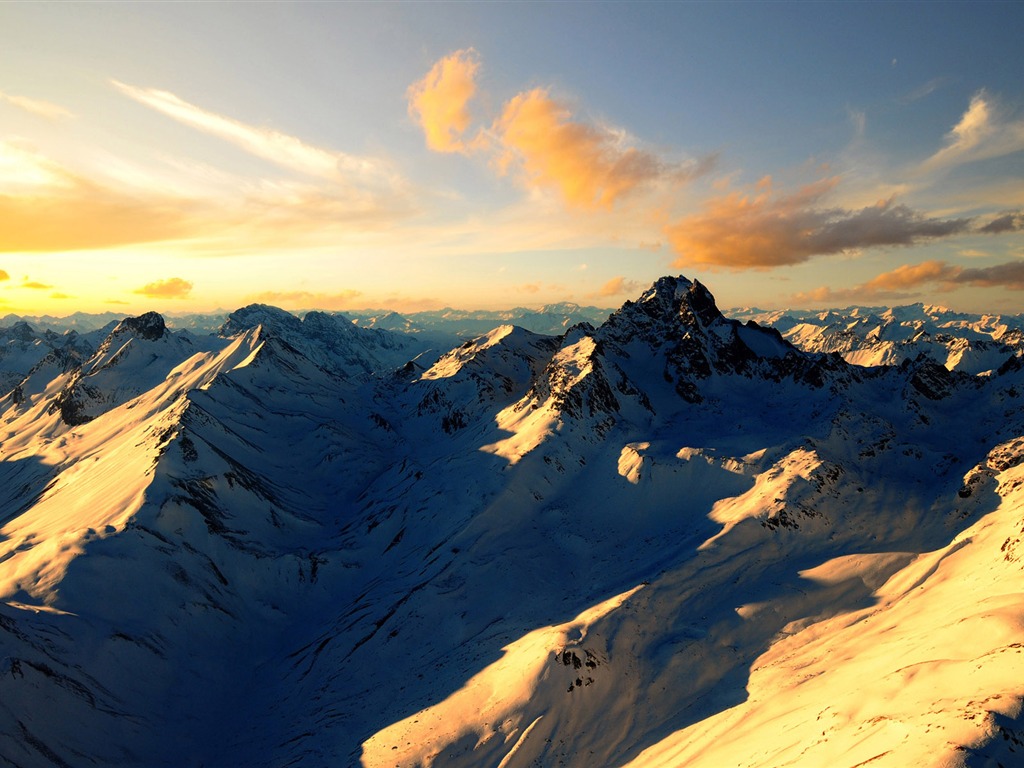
(172, 288)
(904, 281)
(737, 231)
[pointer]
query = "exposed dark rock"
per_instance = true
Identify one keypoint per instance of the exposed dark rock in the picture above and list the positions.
(149, 326)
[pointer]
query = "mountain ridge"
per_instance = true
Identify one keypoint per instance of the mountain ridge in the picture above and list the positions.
(619, 545)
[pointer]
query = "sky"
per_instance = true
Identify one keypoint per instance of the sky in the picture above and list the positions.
(192, 156)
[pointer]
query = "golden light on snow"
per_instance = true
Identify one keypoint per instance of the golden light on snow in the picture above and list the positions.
(490, 705)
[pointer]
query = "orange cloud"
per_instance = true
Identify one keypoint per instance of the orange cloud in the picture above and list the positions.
(401, 303)
(768, 230)
(537, 138)
(587, 165)
(902, 282)
(307, 299)
(440, 101)
(172, 288)
(35, 285)
(617, 286)
(911, 276)
(528, 288)
(4, 275)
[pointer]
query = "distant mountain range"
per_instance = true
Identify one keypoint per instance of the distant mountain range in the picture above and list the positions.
(550, 319)
(659, 536)
(887, 336)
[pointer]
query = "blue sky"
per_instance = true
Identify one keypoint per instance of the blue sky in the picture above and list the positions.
(187, 156)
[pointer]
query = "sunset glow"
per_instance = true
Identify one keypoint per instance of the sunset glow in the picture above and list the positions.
(187, 157)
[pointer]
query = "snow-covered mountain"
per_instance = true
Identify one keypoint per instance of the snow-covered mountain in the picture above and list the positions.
(22, 348)
(887, 336)
(668, 538)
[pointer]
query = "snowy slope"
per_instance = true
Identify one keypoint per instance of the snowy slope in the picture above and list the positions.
(671, 539)
(22, 348)
(330, 341)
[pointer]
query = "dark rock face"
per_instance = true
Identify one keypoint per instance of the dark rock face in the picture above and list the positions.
(702, 304)
(932, 380)
(149, 326)
(22, 331)
(70, 403)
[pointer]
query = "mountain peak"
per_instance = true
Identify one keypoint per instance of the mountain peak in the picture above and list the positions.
(670, 304)
(21, 331)
(149, 326)
(271, 318)
(678, 293)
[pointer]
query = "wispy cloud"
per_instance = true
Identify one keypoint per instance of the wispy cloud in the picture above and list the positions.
(22, 168)
(286, 151)
(981, 133)
(36, 285)
(765, 230)
(440, 101)
(44, 109)
(924, 90)
(171, 288)
(46, 207)
(341, 194)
